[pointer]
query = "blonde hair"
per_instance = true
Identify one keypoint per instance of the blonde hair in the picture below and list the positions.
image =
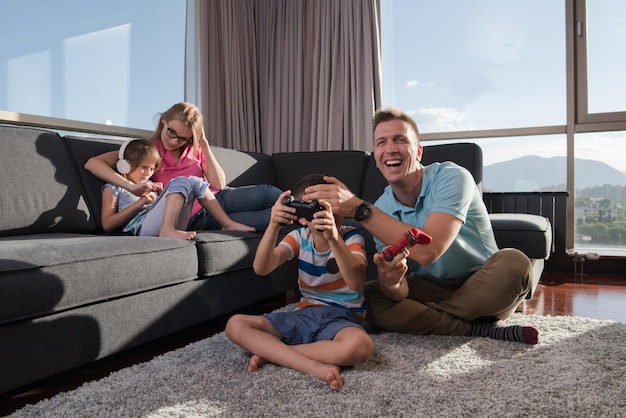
(190, 115)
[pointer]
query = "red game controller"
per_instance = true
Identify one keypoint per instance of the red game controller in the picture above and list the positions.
(410, 238)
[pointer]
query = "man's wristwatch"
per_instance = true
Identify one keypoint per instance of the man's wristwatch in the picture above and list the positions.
(363, 211)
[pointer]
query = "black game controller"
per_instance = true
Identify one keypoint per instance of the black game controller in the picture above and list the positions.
(410, 238)
(304, 210)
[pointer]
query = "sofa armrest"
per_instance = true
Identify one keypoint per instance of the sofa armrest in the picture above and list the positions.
(531, 234)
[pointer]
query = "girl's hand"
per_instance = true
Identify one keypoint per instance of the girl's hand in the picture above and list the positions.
(140, 189)
(203, 138)
(157, 186)
(147, 199)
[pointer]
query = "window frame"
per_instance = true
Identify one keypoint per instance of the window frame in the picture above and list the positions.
(579, 120)
(585, 121)
(60, 124)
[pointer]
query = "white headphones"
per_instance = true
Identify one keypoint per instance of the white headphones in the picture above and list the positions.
(123, 165)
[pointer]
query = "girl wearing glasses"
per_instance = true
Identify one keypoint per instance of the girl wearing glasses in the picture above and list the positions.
(152, 215)
(185, 151)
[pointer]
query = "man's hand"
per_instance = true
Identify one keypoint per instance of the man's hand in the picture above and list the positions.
(391, 275)
(341, 199)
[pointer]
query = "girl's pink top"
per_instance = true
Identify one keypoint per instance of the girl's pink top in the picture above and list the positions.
(188, 165)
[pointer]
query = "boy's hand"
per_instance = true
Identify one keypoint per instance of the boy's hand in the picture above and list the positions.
(324, 222)
(282, 214)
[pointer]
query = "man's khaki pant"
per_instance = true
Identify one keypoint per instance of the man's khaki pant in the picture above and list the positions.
(433, 308)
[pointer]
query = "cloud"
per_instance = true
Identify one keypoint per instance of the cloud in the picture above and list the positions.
(439, 119)
(416, 83)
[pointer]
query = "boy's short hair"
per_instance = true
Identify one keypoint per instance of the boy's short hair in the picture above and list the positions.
(306, 181)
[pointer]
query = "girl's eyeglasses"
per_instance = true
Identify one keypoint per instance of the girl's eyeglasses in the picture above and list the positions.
(181, 139)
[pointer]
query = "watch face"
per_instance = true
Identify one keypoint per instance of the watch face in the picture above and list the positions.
(362, 211)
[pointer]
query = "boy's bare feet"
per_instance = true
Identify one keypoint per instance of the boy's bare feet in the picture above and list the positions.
(175, 233)
(330, 375)
(326, 373)
(236, 226)
(255, 363)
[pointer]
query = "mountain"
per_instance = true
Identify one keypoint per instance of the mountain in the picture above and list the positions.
(532, 172)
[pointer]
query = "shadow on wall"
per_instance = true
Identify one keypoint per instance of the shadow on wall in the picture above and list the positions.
(46, 197)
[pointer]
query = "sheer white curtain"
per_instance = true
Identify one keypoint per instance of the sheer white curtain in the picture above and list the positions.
(284, 75)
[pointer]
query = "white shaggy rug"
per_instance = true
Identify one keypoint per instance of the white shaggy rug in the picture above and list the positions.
(577, 370)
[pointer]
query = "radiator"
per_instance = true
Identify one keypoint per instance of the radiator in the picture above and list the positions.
(552, 205)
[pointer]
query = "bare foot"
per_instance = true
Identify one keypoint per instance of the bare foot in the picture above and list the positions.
(236, 226)
(175, 233)
(255, 363)
(330, 375)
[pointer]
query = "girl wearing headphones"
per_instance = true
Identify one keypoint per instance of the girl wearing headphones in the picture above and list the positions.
(185, 151)
(148, 215)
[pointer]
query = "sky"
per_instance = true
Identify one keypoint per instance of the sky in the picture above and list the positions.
(451, 64)
(456, 65)
(116, 62)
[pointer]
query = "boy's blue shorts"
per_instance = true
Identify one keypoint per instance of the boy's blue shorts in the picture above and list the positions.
(313, 323)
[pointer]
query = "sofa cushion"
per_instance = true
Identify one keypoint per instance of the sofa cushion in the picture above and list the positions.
(82, 149)
(46, 273)
(531, 234)
(245, 168)
(224, 251)
(39, 188)
(347, 166)
(465, 154)
(373, 181)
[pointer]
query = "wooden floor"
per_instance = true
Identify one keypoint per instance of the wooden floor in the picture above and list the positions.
(591, 295)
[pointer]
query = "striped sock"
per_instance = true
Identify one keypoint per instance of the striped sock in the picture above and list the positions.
(499, 331)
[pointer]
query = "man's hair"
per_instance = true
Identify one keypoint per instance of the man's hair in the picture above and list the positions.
(306, 181)
(391, 113)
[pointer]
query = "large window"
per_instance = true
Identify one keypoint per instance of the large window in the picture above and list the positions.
(538, 84)
(600, 196)
(461, 65)
(600, 138)
(605, 39)
(113, 62)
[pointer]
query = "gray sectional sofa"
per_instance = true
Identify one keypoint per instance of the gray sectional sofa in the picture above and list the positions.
(70, 294)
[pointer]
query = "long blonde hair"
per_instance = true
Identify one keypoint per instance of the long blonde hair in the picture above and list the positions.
(190, 115)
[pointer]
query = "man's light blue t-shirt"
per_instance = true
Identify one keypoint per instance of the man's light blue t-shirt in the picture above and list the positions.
(447, 188)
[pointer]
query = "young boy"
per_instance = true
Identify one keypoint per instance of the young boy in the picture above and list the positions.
(166, 215)
(324, 332)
